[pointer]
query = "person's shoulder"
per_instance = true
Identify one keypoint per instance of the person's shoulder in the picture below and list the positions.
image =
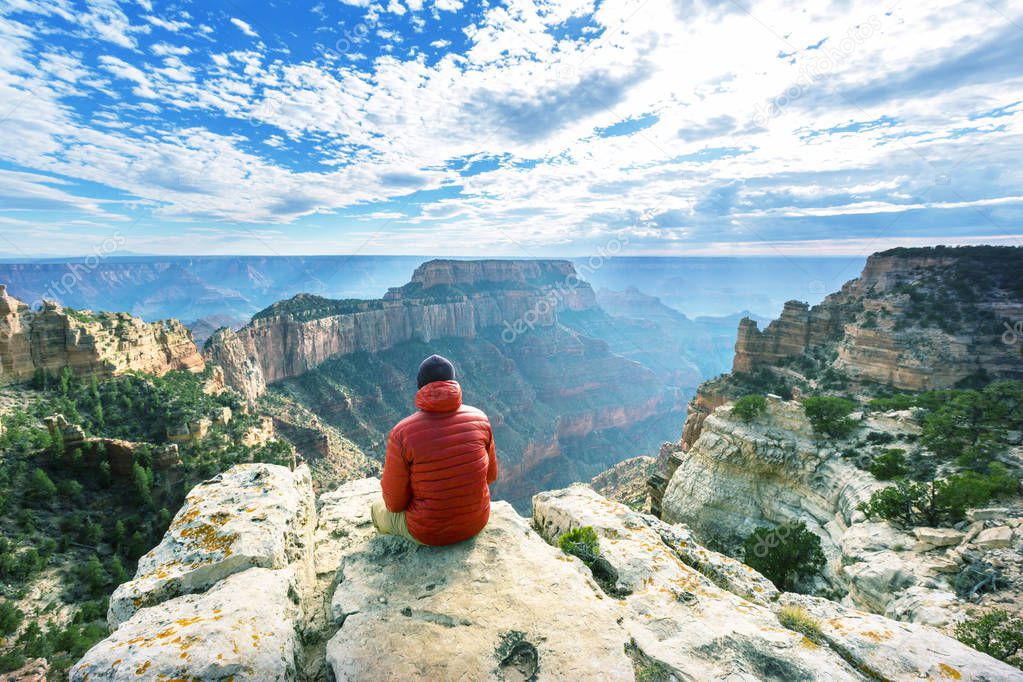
(406, 423)
(474, 412)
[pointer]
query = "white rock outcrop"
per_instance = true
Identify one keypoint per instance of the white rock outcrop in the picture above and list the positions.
(504, 605)
(738, 476)
(253, 515)
(243, 629)
(338, 601)
(683, 621)
(890, 650)
(678, 617)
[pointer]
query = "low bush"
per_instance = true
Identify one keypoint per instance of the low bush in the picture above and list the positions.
(799, 619)
(939, 502)
(10, 618)
(784, 555)
(581, 542)
(996, 634)
(749, 407)
(889, 464)
(829, 415)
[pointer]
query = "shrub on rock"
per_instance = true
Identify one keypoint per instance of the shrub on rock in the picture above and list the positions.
(785, 555)
(997, 634)
(829, 415)
(749, 407)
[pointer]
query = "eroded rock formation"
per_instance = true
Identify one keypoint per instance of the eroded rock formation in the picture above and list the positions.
(914, 319)
(348, 604)
(739, 476)
(104, 344)
(444, 299)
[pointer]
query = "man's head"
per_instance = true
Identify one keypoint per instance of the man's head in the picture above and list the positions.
(435, 368)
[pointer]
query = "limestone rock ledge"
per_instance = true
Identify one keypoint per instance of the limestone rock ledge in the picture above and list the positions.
(319, 595)
(243, 628)
(697, 614)
(504, 605)
(253, 515)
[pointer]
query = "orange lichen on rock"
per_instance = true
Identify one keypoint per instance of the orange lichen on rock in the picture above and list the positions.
(949, 672)
(208, 538)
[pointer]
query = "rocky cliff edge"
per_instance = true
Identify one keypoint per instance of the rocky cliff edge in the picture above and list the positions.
(279, 591)
(103, 344)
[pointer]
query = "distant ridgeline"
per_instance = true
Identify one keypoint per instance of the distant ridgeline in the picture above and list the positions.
(564, 406)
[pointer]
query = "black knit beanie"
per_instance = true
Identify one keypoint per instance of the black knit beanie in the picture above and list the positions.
(435, 368)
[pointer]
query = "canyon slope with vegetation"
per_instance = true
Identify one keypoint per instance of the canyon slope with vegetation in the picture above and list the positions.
(835, 510)
(868, 449)
(106, 422)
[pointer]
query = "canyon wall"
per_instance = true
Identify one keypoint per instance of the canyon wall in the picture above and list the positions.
(443, 299)
(564, 406)
(104, 344)
(914, 319)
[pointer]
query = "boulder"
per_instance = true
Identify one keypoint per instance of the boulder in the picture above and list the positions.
(987, 514)
(253, 515)
(994, 538)
(888, 650)
(504, 605)
(242, 629)
(679, 618)
(938, 537)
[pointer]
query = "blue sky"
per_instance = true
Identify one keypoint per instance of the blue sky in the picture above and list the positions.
(665, 127)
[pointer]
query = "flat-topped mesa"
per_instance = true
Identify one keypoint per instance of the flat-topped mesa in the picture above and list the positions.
(914, 319)
(440, 278)
(103, 344)
(444, 299)
(472, 272)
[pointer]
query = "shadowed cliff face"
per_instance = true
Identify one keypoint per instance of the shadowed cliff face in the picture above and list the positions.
(563, 406)
(103, 344)
(915, 319)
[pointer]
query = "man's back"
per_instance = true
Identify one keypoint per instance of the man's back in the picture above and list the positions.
(440, 462)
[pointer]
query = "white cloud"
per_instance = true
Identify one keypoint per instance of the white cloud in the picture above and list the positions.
(163, 49)
(526, 104)
(244, 27)
(171, 25)
(122, 69)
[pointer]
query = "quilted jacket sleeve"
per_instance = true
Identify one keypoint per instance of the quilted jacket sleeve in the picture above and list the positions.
(395, 480)
(492, 459)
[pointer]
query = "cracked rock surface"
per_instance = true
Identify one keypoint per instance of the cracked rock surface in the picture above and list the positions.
(335, 602)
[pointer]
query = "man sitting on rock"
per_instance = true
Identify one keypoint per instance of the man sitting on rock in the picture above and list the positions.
(439, 466)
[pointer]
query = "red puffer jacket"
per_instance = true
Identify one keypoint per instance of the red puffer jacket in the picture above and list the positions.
(439, 466)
